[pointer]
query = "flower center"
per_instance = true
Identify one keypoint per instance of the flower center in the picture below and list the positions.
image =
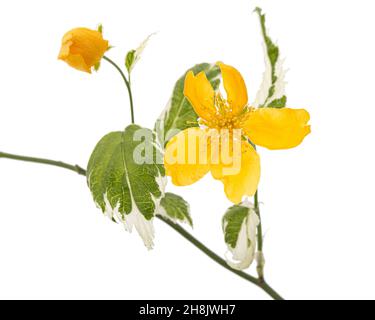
(224, 121)
(224, 118)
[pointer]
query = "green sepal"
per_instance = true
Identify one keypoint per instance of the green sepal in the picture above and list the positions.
(97, 66)
(100, 28)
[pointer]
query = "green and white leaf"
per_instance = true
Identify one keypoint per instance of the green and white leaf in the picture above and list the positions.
(240, 224)
(126, 180)
(272, 90)
(179, 113)
(129, 60)
(133, 56)
(175, 208)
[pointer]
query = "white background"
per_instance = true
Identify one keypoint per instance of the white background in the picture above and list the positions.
(318, 199)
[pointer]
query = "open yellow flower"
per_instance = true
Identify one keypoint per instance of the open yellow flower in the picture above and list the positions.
(187, 159)
(83, 48)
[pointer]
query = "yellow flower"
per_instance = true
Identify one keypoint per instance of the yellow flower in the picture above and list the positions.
(83, 48)
(189, 155)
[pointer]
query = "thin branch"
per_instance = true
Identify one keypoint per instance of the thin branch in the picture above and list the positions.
(127, 83)
(260, 259)
(60, 164)
(258, 282)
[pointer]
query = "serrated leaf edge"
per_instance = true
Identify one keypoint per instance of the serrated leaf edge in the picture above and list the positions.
(135, 218)
(163, 212)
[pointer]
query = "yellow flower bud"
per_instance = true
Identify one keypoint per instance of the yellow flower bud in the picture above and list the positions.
(83, 48)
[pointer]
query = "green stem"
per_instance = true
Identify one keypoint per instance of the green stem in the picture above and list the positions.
(260, 260)
(258, 282)
(60, 164)
(260, 231)
(127, 83)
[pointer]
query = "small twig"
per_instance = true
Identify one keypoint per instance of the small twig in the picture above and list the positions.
(256, 281)
(60, 164)
(127, 83)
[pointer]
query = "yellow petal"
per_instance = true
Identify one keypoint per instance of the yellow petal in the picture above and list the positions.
(240, 176)
(83, 48)
(77, 62)
(186, 156)
(199, 92)
(277, 128)
(235, 87)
